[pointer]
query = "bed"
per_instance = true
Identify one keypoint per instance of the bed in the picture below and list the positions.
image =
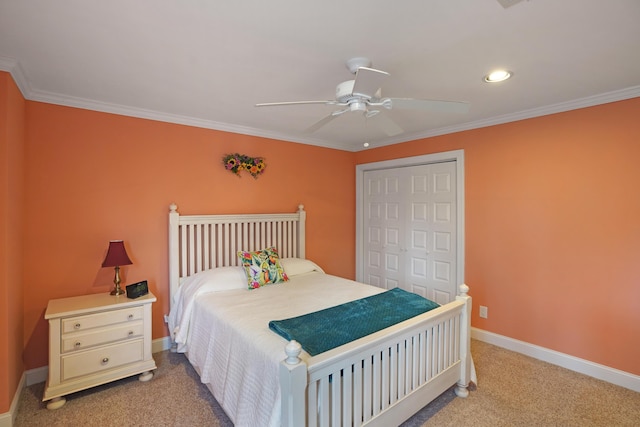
(260, 378)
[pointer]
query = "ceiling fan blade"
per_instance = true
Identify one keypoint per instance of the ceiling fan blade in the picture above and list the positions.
(368, 81)
(370, 113)
(387, 125)
(430, 105)
(321, 123)
(508, 3)
(272, 104)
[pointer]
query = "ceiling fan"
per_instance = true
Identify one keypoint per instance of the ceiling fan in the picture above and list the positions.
(363, 94)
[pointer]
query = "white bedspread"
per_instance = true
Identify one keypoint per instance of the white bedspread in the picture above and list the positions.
(227, 338)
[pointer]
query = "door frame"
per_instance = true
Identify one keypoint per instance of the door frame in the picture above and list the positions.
(447, 156)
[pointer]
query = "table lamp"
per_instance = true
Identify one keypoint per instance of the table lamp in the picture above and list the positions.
(116, 256)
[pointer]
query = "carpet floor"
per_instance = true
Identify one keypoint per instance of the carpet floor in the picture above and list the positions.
(512, 390)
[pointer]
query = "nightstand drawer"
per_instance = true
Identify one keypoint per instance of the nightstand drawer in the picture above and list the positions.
(81, 323)
(101, 359)
(81, 341)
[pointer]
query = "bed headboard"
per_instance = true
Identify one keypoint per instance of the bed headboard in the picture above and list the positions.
(202, 242)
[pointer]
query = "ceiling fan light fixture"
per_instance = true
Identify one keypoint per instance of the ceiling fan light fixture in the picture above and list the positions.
(356, 105)
(497, 76)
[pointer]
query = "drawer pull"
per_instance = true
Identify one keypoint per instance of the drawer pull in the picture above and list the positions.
(130, 333)
(105, 360)
(77, 345)
(76, 326)
(131, 317)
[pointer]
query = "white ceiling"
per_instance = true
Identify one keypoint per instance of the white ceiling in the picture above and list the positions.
(206, 62)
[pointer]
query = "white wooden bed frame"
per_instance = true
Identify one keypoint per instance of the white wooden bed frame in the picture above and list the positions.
(378, 380)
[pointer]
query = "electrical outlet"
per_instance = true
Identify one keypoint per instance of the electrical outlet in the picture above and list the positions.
(484, 312)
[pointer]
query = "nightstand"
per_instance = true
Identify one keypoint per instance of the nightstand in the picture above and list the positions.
(96, 339)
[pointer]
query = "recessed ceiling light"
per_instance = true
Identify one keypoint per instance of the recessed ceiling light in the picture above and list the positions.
(366, 144)
(497, 76)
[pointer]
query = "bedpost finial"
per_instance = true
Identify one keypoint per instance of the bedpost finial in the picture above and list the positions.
(173, 207)
(464, 290)
(300, 207)
(293, 350)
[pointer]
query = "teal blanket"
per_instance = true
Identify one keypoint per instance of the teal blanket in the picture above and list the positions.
(332, 327)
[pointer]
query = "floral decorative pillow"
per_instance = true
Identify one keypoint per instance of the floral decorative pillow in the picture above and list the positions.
(262, 267)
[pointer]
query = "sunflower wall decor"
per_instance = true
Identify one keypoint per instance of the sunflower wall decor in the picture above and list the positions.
(237, 163)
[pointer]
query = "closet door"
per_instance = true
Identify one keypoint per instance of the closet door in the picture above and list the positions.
(410, 229)
(383, 226)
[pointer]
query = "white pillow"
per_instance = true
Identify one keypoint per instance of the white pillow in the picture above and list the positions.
(295, 266)
(216, 280)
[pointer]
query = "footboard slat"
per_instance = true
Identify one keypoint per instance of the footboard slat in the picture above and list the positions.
(367, 388)
(357, 396)
(336, 398)
(440, 347)
(445, 343)
(415, 362)
(428, 342)
(377, 385)
(312, 406)
(401, 370)
(323, 403)
(347, 416)
(423, 376)
(455, 331)
(386, 389)
(393, 377)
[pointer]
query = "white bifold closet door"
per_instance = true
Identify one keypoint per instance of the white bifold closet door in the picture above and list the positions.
(409, 226)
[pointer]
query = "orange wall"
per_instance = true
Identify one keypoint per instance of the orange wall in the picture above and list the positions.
(552, 218)
(93, 177)
(12, 120)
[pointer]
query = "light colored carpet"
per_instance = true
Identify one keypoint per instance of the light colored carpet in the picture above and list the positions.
(513, 390)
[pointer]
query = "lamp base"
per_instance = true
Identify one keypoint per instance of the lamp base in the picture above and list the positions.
(117, 291)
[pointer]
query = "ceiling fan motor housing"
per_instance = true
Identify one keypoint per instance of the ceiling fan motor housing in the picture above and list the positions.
(344, 92)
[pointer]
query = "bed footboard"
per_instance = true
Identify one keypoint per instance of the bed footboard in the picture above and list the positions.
(384, 378)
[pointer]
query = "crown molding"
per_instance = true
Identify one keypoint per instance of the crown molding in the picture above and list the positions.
(590, 101)
(53, 98)
(105, 107)
(13, 67)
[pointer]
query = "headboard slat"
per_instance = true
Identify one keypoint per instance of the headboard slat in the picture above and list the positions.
(183, 245)
(218, 233)
(206, 246)
(198, 229)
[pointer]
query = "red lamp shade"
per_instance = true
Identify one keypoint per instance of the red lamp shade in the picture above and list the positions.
(116, 255)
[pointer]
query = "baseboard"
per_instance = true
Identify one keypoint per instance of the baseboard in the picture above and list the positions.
(37, 375)
(8, 418)
(160, 344)
(595, 370)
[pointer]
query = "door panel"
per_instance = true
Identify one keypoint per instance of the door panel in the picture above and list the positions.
(382, 230)
(442, 252)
